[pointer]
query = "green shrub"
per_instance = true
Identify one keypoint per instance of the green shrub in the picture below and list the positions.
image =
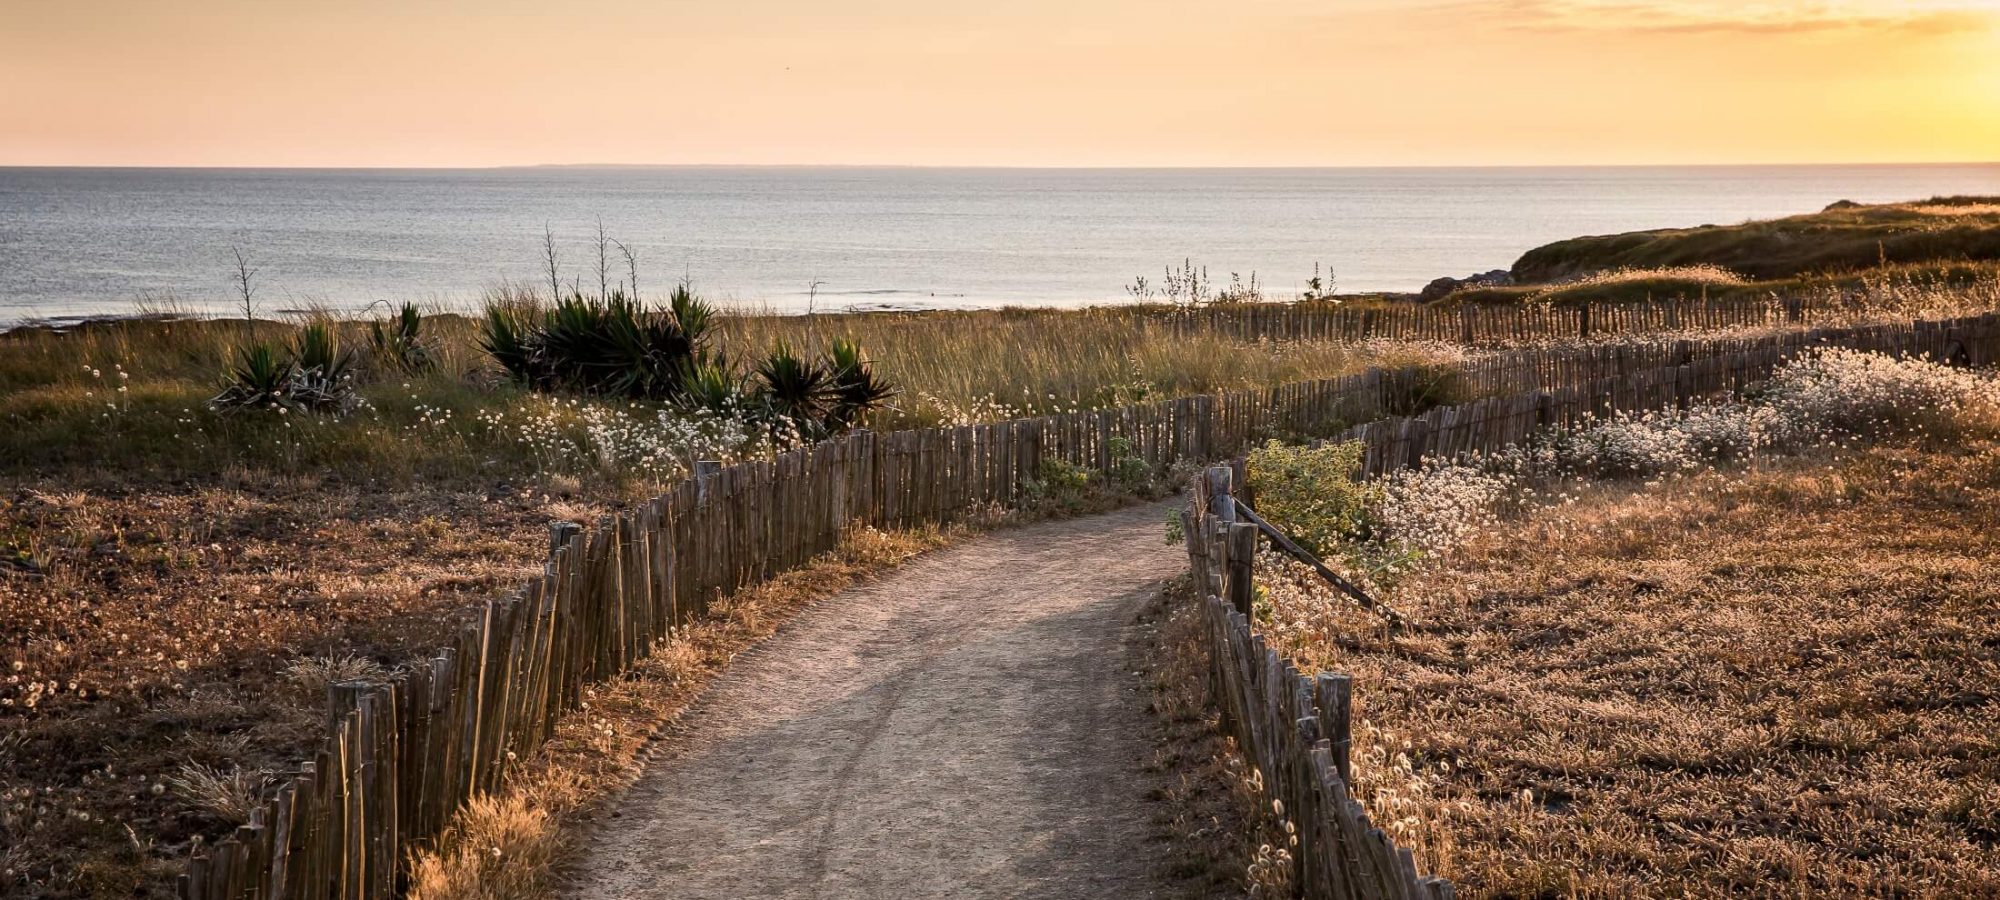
(314, 375)
(400, 342)
(857, 391)
(324, 376)
(1128, 468)
(1312, 495)
(606, 346)
(1416, 389)
(260, 379)
(616, 346)
(1058, 485)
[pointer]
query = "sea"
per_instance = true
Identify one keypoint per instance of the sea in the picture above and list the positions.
(77, 242)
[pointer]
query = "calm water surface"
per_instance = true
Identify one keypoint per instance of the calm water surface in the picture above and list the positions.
(91, 241)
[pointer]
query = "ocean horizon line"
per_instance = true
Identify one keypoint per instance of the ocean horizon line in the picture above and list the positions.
(986, 167)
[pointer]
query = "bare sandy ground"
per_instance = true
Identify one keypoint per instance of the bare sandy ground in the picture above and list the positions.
(971, 726)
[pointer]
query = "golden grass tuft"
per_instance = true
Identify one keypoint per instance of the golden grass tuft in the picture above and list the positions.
(1967, 209)
(314, 674)
(228, 794)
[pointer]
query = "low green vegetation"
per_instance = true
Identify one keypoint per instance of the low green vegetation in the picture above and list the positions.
(1843, 238)
(422, 397)
(1313, 494)
(614, 346)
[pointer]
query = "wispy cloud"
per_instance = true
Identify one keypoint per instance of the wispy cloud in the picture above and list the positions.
(1934, 17)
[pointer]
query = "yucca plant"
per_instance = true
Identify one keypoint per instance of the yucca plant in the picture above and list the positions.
(323, 377)
(400, 342)
(711, 387)
(856, 390)
(261, 379)
(613, 346)
(504, 335)
(794, 391)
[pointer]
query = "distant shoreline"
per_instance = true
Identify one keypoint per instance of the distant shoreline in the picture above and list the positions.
(88, 242)
(976, 167)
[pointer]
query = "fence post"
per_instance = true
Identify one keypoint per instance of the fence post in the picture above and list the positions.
(705, 471)
(344, 697)
(560, 533)
(1336, 706)
(1242, 554)
(1221, 494)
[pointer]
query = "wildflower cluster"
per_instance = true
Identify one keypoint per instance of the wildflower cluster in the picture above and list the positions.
(571, 433)
(1840, 391)
(1815, 400)
(1428, 511)
(1387, 527)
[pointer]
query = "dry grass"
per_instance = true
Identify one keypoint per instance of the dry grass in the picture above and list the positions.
(1960, 209)
(149, 634)
(981, 365)
(1774, 684)
(1703, 274)
(229, 794)
(1222, 830)
(511, 846)
(129, 398)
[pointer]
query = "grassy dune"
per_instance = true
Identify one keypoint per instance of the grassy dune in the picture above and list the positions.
(1842, 238)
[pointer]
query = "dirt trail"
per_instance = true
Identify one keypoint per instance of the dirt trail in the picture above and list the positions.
(970, 726)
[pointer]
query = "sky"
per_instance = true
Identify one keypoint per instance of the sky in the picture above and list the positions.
(997, 82)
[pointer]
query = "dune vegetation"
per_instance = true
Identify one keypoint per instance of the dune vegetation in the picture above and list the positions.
(1747, 654)
(1845, 237)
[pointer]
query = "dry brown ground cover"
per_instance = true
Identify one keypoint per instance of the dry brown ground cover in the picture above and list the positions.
(146, 630)
(1780, 683)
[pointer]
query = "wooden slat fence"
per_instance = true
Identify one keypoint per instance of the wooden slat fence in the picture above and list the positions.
(401, 758)
(1505, 323)
(1295, 728)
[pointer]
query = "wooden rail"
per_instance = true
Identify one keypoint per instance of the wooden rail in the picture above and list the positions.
(401, 758)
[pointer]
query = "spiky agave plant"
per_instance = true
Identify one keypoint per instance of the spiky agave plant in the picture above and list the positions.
(612, 346)
(794, 393)
(261, 379)
(856, 390)
(693, 314)
(505, 333)
(323, 377)
(400, 341)
(712, 388)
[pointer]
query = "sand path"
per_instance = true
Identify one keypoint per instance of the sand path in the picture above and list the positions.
(970, 726)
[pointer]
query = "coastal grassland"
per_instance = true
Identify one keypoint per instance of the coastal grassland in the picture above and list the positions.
(984, 364)
(129, 399)
(1845, 237)
(177, 585)
(1776, 681)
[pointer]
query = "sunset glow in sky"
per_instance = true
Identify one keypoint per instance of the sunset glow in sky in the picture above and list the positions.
(1025, 82)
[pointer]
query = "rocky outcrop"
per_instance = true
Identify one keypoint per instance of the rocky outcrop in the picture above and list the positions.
(1444, 287)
